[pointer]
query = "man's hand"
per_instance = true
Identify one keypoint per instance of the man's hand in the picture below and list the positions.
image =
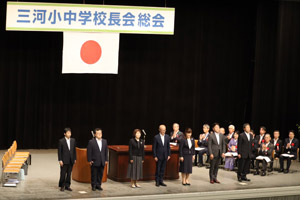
(239, 156)
(131, 161)
(288, 145)
(74, 161)
(168, 158)
(211, 156)
(174, 135)
(181, 159)
(91, 163)
(223, 155)
(61, 163)
(193, 158)
(106, 162)
(156, 159)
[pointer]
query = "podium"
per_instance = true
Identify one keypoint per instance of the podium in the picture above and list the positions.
(119, 159)
(82, 170)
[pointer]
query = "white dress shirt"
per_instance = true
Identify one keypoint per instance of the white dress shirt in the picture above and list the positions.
(275, 141)
(189, 143)
(248, 136)
(68, 143)
(218, 137)
(162, 137)
(99, 142)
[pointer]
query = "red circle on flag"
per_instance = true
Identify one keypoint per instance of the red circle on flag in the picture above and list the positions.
(90, 52)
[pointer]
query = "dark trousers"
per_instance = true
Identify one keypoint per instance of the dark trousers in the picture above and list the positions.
(200, 156)
(160, 170)
(243, 167)
(288, 160)
(264, 165)
(214, 167)
(96, 175)
(65, 175)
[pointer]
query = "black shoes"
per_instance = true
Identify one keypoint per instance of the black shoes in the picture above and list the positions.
(157, 184)
(69, 189)
(286, 171)
(62, 189)
(263, 173)
(99, 188)
(246, 179)
(256, 173)
(280, 171)
(162, 184)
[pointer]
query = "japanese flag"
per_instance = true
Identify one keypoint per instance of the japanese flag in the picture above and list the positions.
(90, 53)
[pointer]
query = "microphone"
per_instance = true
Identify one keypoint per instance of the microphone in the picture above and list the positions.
(144, 132)
(93, 133)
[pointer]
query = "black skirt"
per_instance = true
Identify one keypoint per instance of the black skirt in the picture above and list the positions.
(187, 165)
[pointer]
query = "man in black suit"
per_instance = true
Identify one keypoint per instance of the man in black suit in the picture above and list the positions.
(202, 143)
(277, 146)
(291, 145)
(97, 155)
(216, 151)
(161, 153)
(266, 148)
(244, 153)
(261, 137)
(176, 135)
(66, 158)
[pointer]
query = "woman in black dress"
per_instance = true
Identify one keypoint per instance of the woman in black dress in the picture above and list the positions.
(136, 158)
(186, 156)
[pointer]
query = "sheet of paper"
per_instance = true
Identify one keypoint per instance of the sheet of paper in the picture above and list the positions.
(287, 155)
(266, 158)
(199, 148)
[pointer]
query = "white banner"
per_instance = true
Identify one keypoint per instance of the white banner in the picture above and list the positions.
(91, 53)
(26, 16)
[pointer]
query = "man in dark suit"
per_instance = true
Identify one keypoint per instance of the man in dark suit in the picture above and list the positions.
(277, 147)
(202, 143)
(66, 158)
(266, 148)
(216, 151)
(261, 137)
(244, 153)
(97, 155)
(161, 153)
(291, 145)
(176, 135)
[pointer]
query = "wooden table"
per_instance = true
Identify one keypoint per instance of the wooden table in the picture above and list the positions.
(82, 170)
(119, 159)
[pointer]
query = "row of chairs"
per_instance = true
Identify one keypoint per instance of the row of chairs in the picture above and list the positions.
(13, 162)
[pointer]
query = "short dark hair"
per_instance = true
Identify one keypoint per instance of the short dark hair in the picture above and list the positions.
(237, 132)
(215, 124)
(66, 130)
(263, 128)
(245, 124)
(97, 129)
(292, 131)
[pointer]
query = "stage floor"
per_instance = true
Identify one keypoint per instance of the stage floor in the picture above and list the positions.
(42, 183)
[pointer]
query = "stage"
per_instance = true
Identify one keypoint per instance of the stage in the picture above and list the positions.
(42, 183)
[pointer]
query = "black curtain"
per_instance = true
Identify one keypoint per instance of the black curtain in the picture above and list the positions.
(227, 62)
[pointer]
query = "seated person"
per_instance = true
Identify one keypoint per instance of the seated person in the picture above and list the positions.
(277, 146)
(254, 149)
(232, 147)
(266, 148)
(202, 143)
(290, 147)
(230, 134)
(176, 135)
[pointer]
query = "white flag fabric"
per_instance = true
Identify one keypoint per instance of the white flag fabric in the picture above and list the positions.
(90, 53)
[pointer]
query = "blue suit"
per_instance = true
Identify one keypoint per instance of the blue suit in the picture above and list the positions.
(161, 152)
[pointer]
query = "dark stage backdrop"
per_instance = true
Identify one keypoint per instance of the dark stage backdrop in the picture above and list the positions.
(227, 62)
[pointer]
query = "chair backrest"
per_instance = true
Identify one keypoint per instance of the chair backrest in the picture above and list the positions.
(196, 143)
